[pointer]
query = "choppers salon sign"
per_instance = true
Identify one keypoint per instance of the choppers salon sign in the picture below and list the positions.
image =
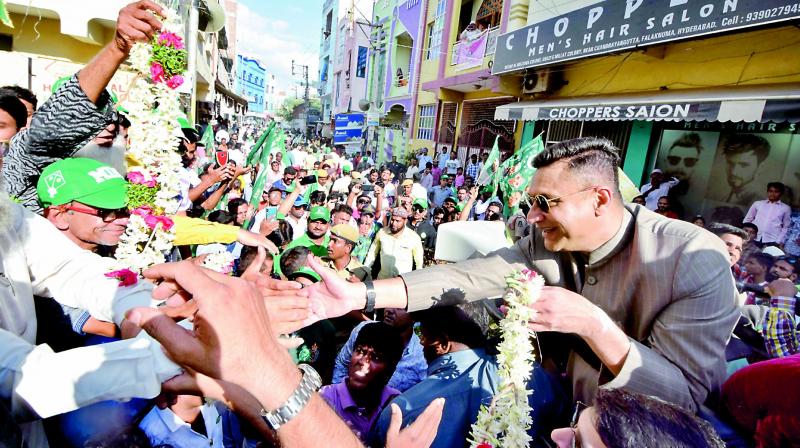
(616, 25)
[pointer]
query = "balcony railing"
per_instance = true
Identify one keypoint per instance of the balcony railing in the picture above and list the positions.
(469, 53)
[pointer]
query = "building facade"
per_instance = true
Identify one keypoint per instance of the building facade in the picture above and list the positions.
(457, 94)
(350, 64)
(709, 93)
(251, 83)
(327, 54)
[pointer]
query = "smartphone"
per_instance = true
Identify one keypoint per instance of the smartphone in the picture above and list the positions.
(221, 158)
(308, 180)
(367, 187)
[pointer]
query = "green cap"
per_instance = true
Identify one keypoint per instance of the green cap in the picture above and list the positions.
(83, 180)
(444, 176)
(421, 202)
(487, 189)
(346, 169)
(184, 123)
(319, 213)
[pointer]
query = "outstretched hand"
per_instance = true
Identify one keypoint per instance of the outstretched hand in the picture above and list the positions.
(333, 296)
(231, 315)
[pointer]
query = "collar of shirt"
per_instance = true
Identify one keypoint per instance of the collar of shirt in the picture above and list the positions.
(175, 424)
(617, 242)
(455, 361)
(347, 402)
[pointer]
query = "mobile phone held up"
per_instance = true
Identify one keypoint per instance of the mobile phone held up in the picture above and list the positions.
(308, 180)
(367, 187)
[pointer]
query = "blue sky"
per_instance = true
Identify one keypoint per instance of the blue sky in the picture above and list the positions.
(277, 31)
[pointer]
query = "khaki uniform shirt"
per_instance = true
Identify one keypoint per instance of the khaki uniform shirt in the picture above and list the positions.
(666, 283)
(354, 268)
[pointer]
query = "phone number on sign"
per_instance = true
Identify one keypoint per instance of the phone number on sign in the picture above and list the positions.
(774, 12)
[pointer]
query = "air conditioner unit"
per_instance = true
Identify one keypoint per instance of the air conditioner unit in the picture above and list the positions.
(537, 81)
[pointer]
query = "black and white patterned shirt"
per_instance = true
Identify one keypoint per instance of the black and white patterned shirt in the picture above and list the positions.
(65, 123)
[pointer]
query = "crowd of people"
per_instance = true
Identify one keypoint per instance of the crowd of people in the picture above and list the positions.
(345, 320)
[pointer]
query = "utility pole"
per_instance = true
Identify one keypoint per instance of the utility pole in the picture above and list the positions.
(304, 70)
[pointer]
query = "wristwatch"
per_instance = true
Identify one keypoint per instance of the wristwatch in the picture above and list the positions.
(310, 383)
(369, 306)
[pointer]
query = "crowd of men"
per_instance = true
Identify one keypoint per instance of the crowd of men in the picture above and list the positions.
(338, 281)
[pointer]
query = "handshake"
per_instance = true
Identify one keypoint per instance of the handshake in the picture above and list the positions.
(233, 353)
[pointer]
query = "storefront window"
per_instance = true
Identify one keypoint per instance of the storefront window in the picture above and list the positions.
(724, 168)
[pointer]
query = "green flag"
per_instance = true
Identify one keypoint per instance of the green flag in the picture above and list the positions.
(261, 177)
(517, 172)
(4, 17)
(255, 153)
(208, 141)
(280, 144)
(490, 170)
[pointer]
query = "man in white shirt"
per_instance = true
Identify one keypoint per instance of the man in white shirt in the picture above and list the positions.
(297, 217)
(772, 217)
(274, 174)
(656, 188)
(298, 156)
(342, 184)
(189, 423)
(452, 165)
(423, 158)
(444, 156)
(413, 169)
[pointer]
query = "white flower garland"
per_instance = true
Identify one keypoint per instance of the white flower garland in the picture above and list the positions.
(153, 143)
(221, 262)
(505, 422)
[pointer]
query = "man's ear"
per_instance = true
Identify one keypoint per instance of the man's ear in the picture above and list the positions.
(603, 197)
(58, 217)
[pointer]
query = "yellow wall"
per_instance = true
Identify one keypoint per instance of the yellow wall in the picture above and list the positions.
(50, 42)
(429, 71)
(768, 56)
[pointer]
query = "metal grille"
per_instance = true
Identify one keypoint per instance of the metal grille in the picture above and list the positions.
(447, 125)
(618, 132)
(479, 128)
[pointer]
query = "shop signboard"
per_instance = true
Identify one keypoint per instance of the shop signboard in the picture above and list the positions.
(348, 129)
(616, 25)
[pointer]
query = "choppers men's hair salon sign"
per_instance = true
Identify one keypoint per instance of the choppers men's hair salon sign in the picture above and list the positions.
(617, 25)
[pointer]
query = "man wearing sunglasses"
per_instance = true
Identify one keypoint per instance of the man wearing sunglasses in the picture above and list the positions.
(86, 200)
(633, 299)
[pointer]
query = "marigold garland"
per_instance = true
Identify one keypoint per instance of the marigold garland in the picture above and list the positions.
(506, 421)
(153, 108)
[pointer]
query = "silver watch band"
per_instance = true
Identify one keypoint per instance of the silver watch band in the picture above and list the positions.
(309, 384)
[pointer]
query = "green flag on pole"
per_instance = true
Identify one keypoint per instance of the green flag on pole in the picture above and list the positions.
(255, 153)
(208, 141)
(4, 17)
(516, 174)
(261, 178)
(491, 168)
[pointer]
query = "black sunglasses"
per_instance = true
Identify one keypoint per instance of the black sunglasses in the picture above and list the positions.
(544, 203)
(688, 161)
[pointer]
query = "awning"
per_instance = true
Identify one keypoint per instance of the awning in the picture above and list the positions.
(227, 92)
(762, 104)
